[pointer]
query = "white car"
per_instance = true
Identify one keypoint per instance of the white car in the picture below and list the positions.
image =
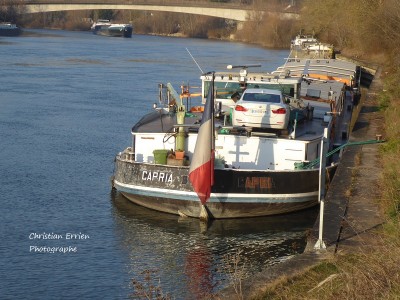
(262, 108)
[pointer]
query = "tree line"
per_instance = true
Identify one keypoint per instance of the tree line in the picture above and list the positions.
(359, 28)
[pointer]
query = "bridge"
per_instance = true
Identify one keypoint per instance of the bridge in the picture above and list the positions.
(234, 10)
(212, 9)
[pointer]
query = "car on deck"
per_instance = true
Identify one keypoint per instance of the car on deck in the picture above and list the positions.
(261, 108)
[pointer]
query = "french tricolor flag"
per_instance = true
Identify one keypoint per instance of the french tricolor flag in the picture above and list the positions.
(201, 170)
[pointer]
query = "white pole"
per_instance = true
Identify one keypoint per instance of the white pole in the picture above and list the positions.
(322, 169)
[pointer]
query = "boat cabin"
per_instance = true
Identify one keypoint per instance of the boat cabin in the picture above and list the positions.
(312, 106)
(229, 86)
(302, 39)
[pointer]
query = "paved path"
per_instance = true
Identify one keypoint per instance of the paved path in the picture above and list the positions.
(363, 210)
(352, 201)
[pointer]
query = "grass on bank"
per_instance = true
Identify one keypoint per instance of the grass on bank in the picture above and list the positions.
(365, 275)
(373, 273)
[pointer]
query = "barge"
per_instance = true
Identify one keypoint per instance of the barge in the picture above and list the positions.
(9, 29)
(106, 28)
(215, 159)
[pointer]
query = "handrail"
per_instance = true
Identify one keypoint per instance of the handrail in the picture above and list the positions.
(315, 162)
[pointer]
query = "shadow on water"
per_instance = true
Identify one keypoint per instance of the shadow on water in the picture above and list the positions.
(191, 258)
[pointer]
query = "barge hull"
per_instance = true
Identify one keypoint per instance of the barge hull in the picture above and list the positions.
(235, 194)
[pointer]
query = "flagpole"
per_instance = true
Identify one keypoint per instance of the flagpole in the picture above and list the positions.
(203, 209)
(201, 170)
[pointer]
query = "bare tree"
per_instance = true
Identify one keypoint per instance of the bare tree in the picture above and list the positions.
(10, 11)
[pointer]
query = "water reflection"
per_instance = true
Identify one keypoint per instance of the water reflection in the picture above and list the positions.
(190, 257)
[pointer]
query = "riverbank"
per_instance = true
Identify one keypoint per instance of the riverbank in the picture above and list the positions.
(361, 257)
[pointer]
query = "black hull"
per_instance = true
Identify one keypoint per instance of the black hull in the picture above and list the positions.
(235, 194)
(218, 210)
(10, 32)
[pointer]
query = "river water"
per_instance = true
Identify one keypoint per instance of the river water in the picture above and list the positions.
(67, 103)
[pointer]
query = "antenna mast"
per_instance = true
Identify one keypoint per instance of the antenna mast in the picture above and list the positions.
(194, 60)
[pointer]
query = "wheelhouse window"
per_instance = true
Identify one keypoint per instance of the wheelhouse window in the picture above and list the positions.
(225, 90)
